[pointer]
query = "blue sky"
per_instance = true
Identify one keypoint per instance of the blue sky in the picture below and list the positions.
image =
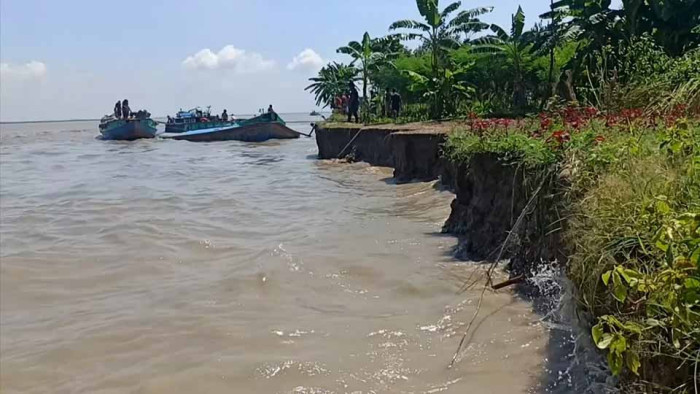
(75, 58)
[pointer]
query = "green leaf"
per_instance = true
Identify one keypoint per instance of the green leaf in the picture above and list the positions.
(634, 327)
(618, 344)
(632, 361)
(676, 341)
(695, 257)
(669, 256)
(662, 207)
(620, 293)
(692, 283)
(653, 323)
(615, 363)
(518, 23)
(660, 240)
(619, 289)
(597, 333)
(606, 277)
(623, 274)
(604, 341)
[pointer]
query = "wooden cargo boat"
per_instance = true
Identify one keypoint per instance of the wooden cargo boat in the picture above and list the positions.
(142, 126)
(199, 126)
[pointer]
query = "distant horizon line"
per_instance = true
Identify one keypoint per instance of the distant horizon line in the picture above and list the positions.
(97, 120)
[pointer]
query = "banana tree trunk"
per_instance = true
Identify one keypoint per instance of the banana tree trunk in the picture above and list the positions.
(365, 102)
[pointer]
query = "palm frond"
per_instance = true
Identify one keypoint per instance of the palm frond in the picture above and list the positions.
(518, 23)
(411, 37)
(450, 9)
(500, 32)
(409, 24)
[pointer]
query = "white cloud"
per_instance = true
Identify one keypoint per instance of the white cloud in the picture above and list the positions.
(307, 60)
(30, 70)
(228, 57)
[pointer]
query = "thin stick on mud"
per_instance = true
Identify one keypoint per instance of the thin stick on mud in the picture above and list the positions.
(469, 326)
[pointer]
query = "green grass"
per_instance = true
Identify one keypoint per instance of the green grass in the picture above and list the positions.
(635, 235)
(512, 147)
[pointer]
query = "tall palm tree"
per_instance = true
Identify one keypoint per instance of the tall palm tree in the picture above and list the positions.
(440, 33)
(331, 82)
(515, 47)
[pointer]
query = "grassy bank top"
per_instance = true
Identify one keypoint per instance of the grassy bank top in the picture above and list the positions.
(447, 127)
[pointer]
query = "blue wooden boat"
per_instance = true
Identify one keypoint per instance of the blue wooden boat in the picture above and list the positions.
(132, 129)
(199, 126)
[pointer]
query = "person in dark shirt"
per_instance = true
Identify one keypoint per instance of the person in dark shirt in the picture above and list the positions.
(118, 110)
(126, 111)
(224, 116)
(395, 104)
(353, 103)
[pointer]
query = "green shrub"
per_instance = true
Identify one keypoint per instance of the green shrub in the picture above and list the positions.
(635, 229)
(512, 147)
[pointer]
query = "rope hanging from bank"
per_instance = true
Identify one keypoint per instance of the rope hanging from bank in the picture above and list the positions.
(340, 155)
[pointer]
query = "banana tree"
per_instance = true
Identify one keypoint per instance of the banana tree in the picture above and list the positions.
(440, 34)
(451, 85)
(331, 82)
(515, 46)
(371, 54)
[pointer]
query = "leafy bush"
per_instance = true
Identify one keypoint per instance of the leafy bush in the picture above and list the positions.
(636, 235)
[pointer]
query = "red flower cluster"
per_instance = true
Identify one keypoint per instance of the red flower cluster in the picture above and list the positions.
(577, 117)
(545, 121)
(560, 137)
(481, 125)
(572, 119)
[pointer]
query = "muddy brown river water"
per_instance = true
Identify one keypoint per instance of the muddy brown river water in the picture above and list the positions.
(174, 267)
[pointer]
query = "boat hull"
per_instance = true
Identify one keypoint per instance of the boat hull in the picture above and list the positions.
(256, 132)
(129, 130)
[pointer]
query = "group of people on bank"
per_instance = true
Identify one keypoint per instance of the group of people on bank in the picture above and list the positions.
(349, 103)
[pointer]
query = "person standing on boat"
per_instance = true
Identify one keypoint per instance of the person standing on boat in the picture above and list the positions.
(224, 116)
(126, 111)
(118, 110)
(353, 103)
(273, 114)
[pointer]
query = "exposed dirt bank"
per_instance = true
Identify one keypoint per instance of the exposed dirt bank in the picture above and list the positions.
(413, 149)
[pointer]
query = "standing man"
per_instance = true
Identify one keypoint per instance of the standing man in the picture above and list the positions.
(126, 111)
(118, 110)
(353, 103)
(224, 116)
(395, 104)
